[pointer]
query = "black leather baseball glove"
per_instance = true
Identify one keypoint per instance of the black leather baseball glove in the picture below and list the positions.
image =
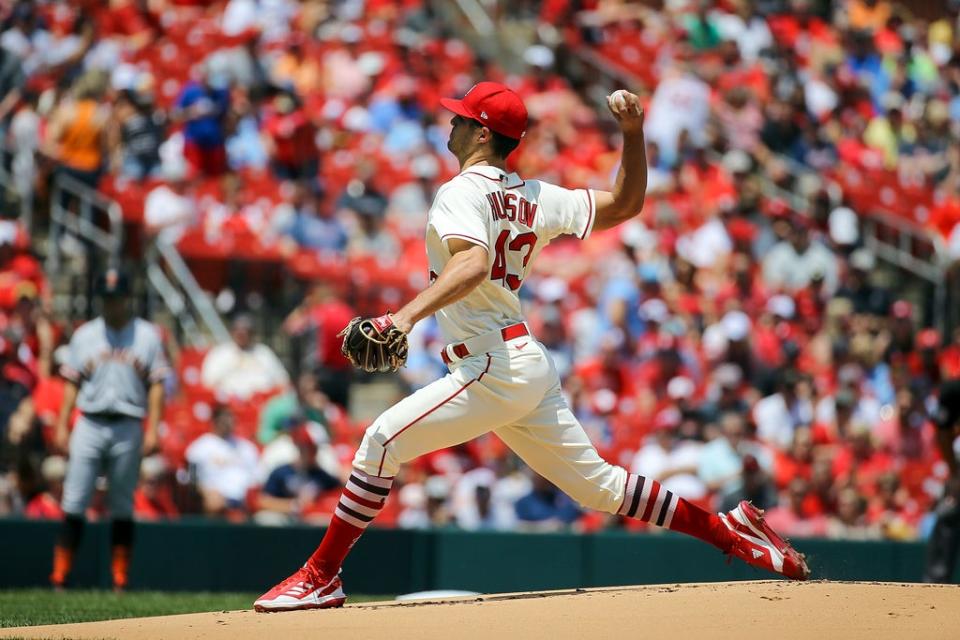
(374, 344)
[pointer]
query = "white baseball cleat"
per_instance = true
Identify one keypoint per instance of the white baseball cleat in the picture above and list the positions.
(303, 590)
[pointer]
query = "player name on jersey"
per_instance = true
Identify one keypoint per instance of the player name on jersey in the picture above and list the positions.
(511, 207)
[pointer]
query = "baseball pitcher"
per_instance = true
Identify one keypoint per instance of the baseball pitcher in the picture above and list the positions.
(484, 230)
(114, 372)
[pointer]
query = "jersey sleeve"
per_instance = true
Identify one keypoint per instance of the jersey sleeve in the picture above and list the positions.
(567, 211)
(157, 367)
(72, 367)
(460, 212)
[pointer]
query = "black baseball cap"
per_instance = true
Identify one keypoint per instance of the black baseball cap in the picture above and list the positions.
(113, 283)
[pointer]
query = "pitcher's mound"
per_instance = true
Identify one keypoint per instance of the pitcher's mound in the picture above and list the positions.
(739, 610)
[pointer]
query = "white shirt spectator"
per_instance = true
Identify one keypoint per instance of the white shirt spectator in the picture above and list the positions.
(866, 410)
(32, 50)
(785, 268)
(658, 179)
(776, 420)
(681, 101)
(168, 213)
(678, 465)
(227, 466)
(241, 373)
(752, 36)
(25, 139)
(238, 16)
(413, 501)
(282, 450)
(819, 96)
(721, 463)
(272, 17)
(501, 514)
(707, 244)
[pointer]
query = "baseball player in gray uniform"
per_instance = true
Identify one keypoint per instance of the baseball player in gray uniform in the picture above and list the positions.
(114, 373)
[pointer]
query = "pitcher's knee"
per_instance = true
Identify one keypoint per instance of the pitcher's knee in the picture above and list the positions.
(602, 491)
(374, 456)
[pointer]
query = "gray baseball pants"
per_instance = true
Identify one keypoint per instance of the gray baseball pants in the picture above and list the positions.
(112, 447)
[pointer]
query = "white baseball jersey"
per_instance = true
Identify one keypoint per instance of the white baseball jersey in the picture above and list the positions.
(514, 219)
(510, 387)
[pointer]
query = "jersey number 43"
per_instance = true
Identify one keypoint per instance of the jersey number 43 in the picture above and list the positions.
(524, 243)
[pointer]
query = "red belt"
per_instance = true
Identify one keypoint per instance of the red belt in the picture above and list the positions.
(507, 333)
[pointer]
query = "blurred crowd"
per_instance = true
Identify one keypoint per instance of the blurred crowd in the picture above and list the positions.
(866, 93)
(727, 342)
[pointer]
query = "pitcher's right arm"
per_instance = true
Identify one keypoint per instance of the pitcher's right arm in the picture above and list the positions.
(630, 188)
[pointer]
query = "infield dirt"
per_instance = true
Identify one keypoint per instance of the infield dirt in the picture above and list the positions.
(736, 610)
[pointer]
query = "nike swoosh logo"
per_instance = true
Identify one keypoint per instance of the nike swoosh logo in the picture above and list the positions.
(521, 346)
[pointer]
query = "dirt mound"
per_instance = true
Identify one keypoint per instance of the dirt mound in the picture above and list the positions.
(741, 610)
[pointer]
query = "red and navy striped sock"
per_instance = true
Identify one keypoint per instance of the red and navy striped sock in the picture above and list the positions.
(361, 501)
(647, 500)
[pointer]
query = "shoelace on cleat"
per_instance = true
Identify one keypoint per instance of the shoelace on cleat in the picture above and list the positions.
(302, 575)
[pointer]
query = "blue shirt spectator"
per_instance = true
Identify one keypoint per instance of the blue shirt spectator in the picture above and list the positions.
(205, 109)
(287, 481)
(546, 507)
(313, 231)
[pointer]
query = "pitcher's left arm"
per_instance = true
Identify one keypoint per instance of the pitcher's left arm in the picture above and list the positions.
(462, 274)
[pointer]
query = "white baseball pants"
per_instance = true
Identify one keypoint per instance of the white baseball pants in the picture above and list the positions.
(513, 390)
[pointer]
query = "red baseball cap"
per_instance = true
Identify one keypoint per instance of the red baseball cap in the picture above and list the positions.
(494, 105)
(902, 309)
(928, 339)
(669, 418)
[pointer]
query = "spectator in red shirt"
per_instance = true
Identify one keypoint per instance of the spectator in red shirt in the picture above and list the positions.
(20, 273)
(950, 358)
(317, 322)
(859, 463)
(608, 369)
(793, 516)
(656, 373)
(288, 136)
(129, 20)
(797, 462)
(152, 499)
(823, 495)
(907, 433)
(46, 505)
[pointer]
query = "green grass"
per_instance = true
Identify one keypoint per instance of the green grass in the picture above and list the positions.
(27, 607)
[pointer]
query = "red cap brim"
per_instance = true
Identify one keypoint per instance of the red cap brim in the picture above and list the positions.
(457, 107)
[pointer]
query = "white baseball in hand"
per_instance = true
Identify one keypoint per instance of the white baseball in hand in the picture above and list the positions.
(621, 104)
(618, 100)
